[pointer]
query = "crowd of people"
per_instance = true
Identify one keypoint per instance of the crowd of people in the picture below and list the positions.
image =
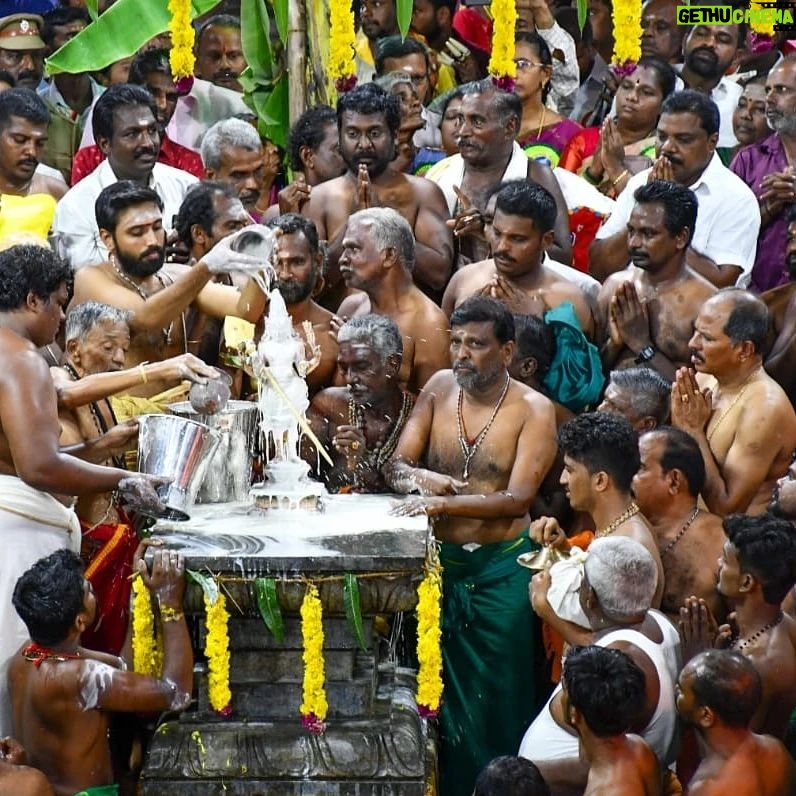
(559, 321)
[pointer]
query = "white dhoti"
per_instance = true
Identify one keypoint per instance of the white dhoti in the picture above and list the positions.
(33, 524)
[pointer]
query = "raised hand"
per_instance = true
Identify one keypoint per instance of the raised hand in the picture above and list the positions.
(691, 407)
(631, 317)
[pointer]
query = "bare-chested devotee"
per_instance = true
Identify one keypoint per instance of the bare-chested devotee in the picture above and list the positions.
(16, 777)
(647, 312)
(757, 569)
(641, 395)
(33, 292)
(299, 265)
(477, 476)
(159, 296)
(361, 423)
(368, 119)
(690, 539)
(743, 421)
(520, 233)
(489, 154)
(97, 338)
(781, 303)
(377, 259)
(604, 694)
(63, 693)
(718, 693)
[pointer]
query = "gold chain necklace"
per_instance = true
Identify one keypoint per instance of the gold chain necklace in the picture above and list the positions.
(629, 512)
(469, 448)
(723, 415)
(381, 452)
(681, 533)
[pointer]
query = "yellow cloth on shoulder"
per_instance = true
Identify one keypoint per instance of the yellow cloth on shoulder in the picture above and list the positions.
(129, 407)
(32, 213)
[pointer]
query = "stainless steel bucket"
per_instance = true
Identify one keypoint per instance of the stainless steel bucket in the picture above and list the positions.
(228, 475)
(176, 448)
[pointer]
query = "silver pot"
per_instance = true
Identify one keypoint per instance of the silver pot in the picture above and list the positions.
(228, 474)
(176, 448)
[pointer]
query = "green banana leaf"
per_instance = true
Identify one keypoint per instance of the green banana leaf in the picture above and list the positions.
(353, 610)
(583, 12)
(267, 602)
(207, 584)
(117, 33)
(92, 6)
(403, 11)
(280, 15)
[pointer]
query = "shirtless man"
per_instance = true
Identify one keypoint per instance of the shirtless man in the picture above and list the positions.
(604, 693)
(520, 233)
(62, 693)
(647, 312)
(299, 264)
(368, 119)
(97, 338)
(362, 422)
(134, 278)
(666, 488)
(16, 777)
(781, 303)
(718, 693)
(489, 155)
(377, 258)
(480, 477)
(32, 466)
(741, 418)
(641, 395)
(757, 569)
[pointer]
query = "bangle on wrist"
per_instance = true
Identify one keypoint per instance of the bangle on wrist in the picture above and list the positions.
(169, 614)
(142, 372)
(620, 178)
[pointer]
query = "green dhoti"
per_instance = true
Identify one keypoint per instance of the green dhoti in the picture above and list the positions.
(100, 790)
(488, 630)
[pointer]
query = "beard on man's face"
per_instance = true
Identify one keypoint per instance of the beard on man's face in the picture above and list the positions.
(147, 263)
(294, 290)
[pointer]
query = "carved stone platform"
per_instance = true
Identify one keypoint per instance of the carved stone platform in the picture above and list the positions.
(375, 743)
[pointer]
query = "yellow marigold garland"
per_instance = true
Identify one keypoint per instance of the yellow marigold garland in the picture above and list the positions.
(217, 654)
(501, 63)
(627, 36)
(145, 649)
(342, 38)
(429, 633)
(314, 706)
(182, 39)
(759, 27)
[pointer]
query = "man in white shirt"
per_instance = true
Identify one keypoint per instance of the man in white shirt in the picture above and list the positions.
(127, 132)
(708, 52)
(728, 220)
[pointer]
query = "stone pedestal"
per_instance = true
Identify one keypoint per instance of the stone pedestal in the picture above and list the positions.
(375, 742)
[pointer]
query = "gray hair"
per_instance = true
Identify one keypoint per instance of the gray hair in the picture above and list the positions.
(379, 333)
(389, 230)
(233, 133)
(623, 575)
(392, 79)
(649, 393)
(84, 317)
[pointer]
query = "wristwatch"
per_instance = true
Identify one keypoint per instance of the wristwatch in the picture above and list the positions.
(646, 354)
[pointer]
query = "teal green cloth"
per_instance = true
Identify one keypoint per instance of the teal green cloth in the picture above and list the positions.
(575, 378)
(100, 790)
(488, 659)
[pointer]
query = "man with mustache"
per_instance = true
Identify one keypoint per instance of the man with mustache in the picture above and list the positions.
(219, 52)
(708, 53)
(377, 260)
(360, 424)
(725, 234)
(368, 119)
(127, 132)
(781, 302)
(22, 49)
(160, 299)
(766, 168)
(299, 265)
(477, 447)
(29, 197)
(742, 419)
(520, 233)
(647, 312)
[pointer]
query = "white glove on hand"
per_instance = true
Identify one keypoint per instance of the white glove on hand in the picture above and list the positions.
(256, 243)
